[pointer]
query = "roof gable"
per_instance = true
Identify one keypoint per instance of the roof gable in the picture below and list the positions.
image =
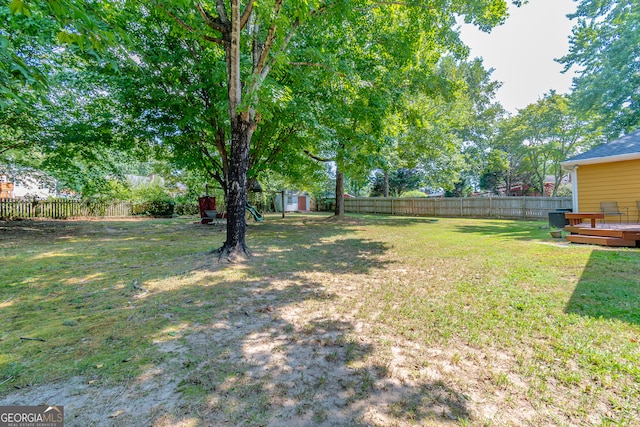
(621, 147)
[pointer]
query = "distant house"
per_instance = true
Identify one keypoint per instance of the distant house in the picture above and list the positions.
(608, 172)
(6, 187)
(27, 183)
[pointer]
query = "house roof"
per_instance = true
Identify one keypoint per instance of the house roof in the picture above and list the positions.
(625, 148)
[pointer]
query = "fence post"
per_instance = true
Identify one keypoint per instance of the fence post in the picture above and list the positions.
(524, 208)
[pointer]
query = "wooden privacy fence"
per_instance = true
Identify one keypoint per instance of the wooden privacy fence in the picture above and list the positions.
(466, 207)
(61, 208)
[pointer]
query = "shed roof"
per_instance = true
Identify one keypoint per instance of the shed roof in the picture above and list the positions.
(624, 148)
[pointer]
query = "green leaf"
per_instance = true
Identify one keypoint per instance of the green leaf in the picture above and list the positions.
(16, 7)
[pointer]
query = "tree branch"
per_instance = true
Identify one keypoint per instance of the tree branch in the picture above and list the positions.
(269, 40)
(285, 44)
(222, 12)
(246, 14)
(212, 22)
(11, 147)
(203, 149)
(214, 39)
(314, 157)
(178, 20)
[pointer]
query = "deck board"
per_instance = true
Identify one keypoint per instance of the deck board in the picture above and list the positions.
(601, 240)
(605, 234)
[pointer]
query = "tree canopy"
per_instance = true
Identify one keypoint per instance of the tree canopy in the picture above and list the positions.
(605, 52)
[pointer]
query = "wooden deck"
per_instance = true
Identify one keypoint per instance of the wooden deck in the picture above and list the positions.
(605, 234)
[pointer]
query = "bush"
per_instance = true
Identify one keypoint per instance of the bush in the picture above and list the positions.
(187, 209)
(565, 190)
(156, 208)
(413, 193)
(152, 200)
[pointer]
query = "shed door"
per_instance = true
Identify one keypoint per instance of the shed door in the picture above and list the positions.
(302, 203)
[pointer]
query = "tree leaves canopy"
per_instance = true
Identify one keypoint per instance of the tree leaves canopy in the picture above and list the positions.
(605, 51)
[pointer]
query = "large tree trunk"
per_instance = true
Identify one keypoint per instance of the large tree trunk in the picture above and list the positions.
(242, 127)
(236, 191)
(339, 193)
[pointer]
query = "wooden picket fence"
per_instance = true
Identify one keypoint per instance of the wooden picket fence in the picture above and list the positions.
(526, 208)
(61, 209)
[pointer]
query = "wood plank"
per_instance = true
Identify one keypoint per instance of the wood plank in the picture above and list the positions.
(572, 229)
(581, 215)
(603, 232)
(601, 240)
(630, 235)
(620, 233)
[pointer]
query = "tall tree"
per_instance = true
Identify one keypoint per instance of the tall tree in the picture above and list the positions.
(440, 128)
(255, 38)
(551, 132)
(400, 181)
(507, 162)
(604, 51)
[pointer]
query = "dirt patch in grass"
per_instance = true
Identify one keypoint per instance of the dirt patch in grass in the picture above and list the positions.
(372, 321)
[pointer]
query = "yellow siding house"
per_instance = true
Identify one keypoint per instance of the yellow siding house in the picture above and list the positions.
(608, 173)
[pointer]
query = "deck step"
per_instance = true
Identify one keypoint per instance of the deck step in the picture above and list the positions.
(604, 232)
(601, 240)
(588, 231)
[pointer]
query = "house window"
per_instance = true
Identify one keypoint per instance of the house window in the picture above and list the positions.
(289, 200)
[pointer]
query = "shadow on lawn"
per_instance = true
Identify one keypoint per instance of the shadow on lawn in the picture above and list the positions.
(267, 342)
(609, 287)
(517, 230)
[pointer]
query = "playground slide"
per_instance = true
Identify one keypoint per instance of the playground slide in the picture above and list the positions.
(252, 209)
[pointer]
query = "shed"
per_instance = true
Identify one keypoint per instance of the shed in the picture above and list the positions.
(608, 172)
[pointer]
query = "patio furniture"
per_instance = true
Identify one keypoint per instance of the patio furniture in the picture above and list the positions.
(612, 209)
(576, 218)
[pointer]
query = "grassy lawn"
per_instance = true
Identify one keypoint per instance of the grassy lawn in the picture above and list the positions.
(368, 321)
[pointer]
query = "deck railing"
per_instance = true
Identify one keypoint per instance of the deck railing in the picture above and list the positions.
(527, 208)
(61, 209)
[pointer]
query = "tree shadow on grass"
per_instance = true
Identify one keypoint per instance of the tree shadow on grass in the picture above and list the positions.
(272, 341)
(513, 230)
(351, 220)
(609, 287)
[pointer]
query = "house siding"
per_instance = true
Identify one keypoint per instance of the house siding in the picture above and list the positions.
(615, 181)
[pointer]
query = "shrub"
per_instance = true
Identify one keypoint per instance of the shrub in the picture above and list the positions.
(152, 200)
(413, 193)
(187, 209)
(565, 190)
(156, 208)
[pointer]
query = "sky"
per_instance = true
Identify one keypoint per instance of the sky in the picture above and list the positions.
(522, 51)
